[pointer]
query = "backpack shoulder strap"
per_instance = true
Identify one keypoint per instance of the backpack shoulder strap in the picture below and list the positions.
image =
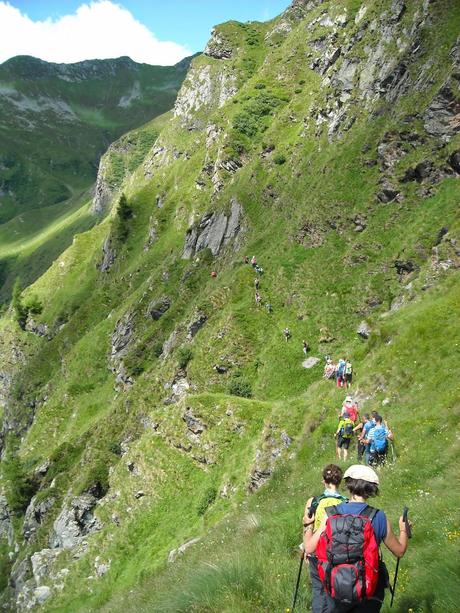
(330, 511)
(370, 512)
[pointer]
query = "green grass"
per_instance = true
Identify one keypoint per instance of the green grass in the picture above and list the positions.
(196, 484)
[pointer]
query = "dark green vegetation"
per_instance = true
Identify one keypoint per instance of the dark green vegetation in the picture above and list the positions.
(56, 120)
(169, 406)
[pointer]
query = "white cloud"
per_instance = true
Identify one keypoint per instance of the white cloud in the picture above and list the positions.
(97, 30)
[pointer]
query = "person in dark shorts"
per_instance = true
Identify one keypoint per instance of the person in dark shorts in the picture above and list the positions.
(348, 373)
(344, 434)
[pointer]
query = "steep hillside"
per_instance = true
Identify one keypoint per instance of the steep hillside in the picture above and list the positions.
(160, 436)
(55, 122)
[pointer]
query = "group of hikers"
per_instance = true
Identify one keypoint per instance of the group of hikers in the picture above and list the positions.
(342, 536)
(341, 371)
(372, 434)
(259, 271)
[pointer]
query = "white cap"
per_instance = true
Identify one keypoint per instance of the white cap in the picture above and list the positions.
(359, 471)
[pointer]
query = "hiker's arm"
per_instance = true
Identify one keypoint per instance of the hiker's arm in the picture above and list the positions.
(397, 545)
(310, 538)
(358, 427)
(306, 518)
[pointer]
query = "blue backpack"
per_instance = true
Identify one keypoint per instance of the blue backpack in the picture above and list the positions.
(380, 439)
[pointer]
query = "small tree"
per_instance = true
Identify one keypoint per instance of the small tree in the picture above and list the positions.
(124, 214)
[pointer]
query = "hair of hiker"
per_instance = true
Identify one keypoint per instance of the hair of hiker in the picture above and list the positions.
(362, 488)
(366, 415)
(333, 474)
(379, 419)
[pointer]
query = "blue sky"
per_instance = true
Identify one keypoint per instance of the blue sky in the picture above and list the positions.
(186, 22)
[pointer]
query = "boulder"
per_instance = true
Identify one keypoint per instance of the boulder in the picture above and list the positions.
(42, 594)
(441, 119)
(454, 161)
(310, 362)
(404, 266)
(74, 522)
(364, 330)
(387, 193)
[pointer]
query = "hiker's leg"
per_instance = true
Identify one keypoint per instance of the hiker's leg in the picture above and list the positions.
(318, 602)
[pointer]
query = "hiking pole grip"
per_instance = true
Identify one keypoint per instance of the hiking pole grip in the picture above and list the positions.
(406, 522)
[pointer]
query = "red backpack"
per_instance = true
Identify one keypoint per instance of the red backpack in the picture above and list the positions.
(348, 556)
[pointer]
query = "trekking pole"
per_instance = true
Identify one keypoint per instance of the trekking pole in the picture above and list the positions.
(298, 583)
(409, 535)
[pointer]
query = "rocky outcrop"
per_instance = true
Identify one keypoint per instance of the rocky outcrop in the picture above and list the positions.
(214, 231)
(121, 339)
(218, 47)
(196, 324)
(104, 190)
(6, 526)
(35, 514)
(74, 522)
(108, 255)
(194, 424)
(157, 308)
(274, 444)
(38, 329)
(442, 117)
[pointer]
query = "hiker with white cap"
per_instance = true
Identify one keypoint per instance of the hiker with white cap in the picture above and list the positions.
(350, 536)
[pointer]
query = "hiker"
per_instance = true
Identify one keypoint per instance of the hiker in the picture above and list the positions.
(340, 373)
(348, 373)
(253, 261)
(259, 270)
(363, 483)
(258, 299)
(287, 333)
(305, 347)
(351, 407)
(363, 429)
(377, 439)
(313, 516)
(214, 274)
(269, 307)
(256, 283)
(343, 434)
(246, 259)
(329, 369)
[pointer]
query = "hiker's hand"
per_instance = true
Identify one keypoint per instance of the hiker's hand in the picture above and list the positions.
(403, 525)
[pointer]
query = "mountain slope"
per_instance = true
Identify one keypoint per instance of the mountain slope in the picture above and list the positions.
(326, 143)
(55, 122)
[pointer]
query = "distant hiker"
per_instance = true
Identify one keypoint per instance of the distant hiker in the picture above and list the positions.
(269, 307)
(287, 334)
(258, 299)
(348, 372)
(246, 259)
(305, 347)
(347, 579)
(329, 369)
(214, 274)
(256, 283)
(363, 428)
(344, 434)
(378, 438)
(351, 407)
(259, 270)
(340, 372)
(315, 510)
(253, 261)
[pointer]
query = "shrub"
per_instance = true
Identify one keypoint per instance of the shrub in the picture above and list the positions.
(184, 355)
(34, 306)
(279, 159)
(19, 309)
(208, 498)
(21, 486)
(240, 387)
(157, 349)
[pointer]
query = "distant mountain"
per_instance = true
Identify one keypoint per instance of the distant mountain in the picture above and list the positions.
(57, 119)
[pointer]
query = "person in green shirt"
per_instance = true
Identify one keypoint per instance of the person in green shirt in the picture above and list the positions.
(344, 434)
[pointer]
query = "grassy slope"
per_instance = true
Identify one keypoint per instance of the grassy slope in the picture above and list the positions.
(246, 559)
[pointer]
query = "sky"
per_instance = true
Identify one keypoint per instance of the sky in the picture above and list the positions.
(150, 31)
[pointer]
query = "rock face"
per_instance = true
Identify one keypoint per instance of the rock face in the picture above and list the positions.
(214, 231)
(157, 308)
(194, 424)
(121, 338)
(104, 191)
(35, 514)
(75, 521)
(196, 324)
(108, 255)
(218, 47)
(6, 527)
